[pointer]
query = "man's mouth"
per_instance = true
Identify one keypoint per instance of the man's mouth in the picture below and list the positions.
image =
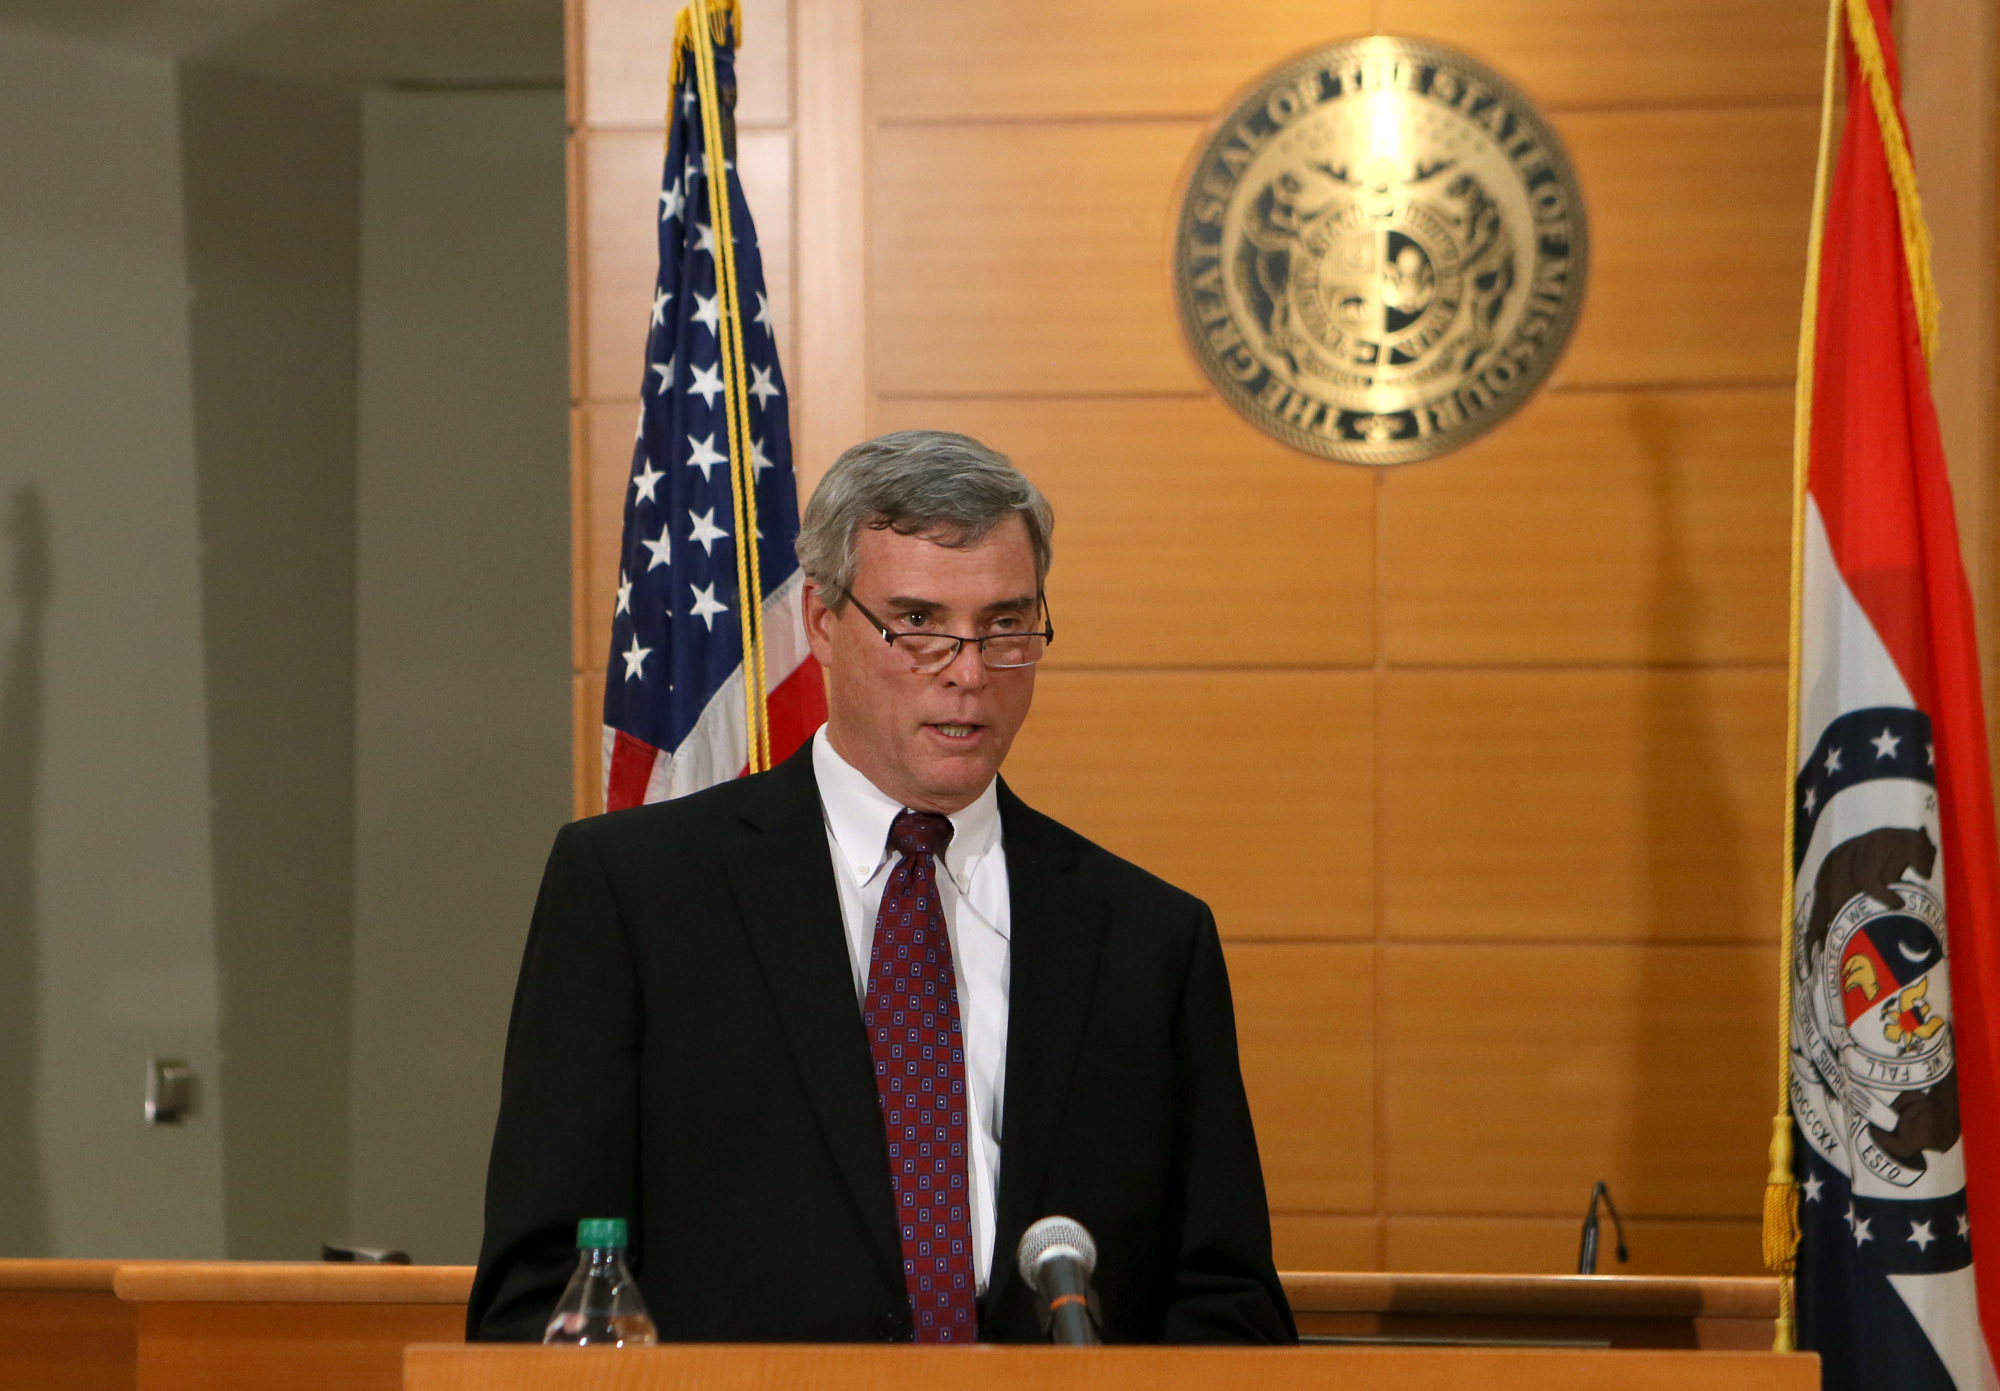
(957, 731)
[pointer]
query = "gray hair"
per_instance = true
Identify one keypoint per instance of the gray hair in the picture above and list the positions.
(948, 488)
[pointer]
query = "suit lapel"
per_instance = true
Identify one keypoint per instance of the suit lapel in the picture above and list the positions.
(782, 875)
(1057, 934)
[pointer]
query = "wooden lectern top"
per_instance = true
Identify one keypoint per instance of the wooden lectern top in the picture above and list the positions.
(771, 1367)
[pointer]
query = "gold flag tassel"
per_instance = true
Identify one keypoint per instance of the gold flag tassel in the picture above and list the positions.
(701, 25)
(1781, 1191)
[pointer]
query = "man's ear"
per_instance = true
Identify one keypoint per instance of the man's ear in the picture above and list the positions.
(819, 624)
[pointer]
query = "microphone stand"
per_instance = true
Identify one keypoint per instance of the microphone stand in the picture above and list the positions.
(1586, 1255)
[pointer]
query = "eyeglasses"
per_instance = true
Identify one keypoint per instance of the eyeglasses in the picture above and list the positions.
(932, 652)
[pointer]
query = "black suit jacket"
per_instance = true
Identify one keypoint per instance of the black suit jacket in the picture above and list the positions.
(686, 1052)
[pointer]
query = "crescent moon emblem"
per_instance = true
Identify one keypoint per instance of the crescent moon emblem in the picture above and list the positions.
(1908, 955)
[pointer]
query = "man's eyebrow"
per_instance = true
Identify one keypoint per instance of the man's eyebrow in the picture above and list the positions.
(1016, 603)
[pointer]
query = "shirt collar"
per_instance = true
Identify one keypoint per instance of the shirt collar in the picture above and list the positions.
(859, 814)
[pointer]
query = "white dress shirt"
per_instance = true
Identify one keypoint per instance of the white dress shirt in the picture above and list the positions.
(973, 888)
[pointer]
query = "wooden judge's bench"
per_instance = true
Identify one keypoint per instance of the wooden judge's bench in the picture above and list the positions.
(234, 1326)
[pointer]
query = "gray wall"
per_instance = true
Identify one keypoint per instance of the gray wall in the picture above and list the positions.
(107, 936)
(284, 725)
(462, 702)
(272, 178)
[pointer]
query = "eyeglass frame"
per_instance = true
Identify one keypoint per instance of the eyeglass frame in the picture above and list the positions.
(889, 636)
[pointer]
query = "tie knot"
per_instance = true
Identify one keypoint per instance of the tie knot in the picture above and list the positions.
(920, 833)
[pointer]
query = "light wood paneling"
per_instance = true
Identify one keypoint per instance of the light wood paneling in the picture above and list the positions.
(1514, 1076)
(1058, 58)
(587, 713)
(1045, 58)
(1024, 258)
(1251, 789)
(1548, 1245)
(1031, 257)
(1628, 53)
(1697, 238)
(1305, 1028)
(1614, 804)
(607, 473)
(830, 387)
(1186, 538)
(620, 177)
(1598, 527)
(626, 47)
(1316, 1241)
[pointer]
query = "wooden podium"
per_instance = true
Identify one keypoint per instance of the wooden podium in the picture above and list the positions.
(247, 1326)
(768, 1367)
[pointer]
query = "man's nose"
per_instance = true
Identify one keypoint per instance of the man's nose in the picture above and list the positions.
(967, 669)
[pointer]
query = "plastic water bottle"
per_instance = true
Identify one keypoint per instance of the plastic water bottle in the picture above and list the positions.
(601, 1304)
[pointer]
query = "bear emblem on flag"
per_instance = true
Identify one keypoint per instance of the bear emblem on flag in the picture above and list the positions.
(1878, 1023)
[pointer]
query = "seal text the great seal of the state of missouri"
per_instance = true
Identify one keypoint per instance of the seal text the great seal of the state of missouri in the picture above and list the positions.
(1380, 252)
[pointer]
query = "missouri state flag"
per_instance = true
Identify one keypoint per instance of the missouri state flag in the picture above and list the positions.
(677, 716)
(1894, 975)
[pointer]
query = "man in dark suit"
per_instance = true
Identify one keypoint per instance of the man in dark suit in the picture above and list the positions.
(832, 1036)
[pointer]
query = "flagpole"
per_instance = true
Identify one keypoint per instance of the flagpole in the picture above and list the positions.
(1781, 1196)
(698, 26)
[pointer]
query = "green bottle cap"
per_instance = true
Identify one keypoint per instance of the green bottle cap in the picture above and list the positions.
(601, 1231)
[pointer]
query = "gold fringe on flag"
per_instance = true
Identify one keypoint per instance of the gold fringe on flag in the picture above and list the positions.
(701, 25)
(1781, 1199)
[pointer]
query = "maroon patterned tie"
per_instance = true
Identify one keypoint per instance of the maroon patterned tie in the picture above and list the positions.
(913, 1032)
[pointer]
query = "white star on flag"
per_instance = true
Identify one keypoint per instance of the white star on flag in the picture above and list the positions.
(671, 201)
(662, 550)
(704, 238)
(703, 455)
(707, 384)
(1812, 1185)
(1812, 799)
(763, 315)
(1920, 1235)
(1861, 1232)
(757, 459)
(1833, 760)
(761, 385)
(644, 483)
(706, 605)
(624, 596)
(660, 301)
(1885, 744)
(635, 658)
(705, 312)
(705, 531)
(666, 371)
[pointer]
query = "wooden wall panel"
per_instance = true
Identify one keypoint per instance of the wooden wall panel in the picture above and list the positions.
(1515, 1076)
(1315, 1241)
(1045, 58)
(620, 178)
(1305, 1029)
(1250, 789)
(1586, 805)
(587, 711)
(1031, 257)
(1158, 566)
(1058, 58)
(1568, 53)
(1654, 531)
(606, 473)
(1027, 258)
(1696, 241)
(623, 46)
(1548, 1245)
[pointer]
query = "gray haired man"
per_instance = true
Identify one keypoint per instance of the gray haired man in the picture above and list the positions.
(832, 1037)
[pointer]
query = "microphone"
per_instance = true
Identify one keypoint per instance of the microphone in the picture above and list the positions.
(1056, 1256)
(1586, 1255)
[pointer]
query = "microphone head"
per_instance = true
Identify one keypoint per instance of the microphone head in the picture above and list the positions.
(1054, 1236)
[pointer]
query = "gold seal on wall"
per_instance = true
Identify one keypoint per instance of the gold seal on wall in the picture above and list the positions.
(1380, 252)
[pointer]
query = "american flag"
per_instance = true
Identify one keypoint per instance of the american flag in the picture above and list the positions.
(674, 719)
